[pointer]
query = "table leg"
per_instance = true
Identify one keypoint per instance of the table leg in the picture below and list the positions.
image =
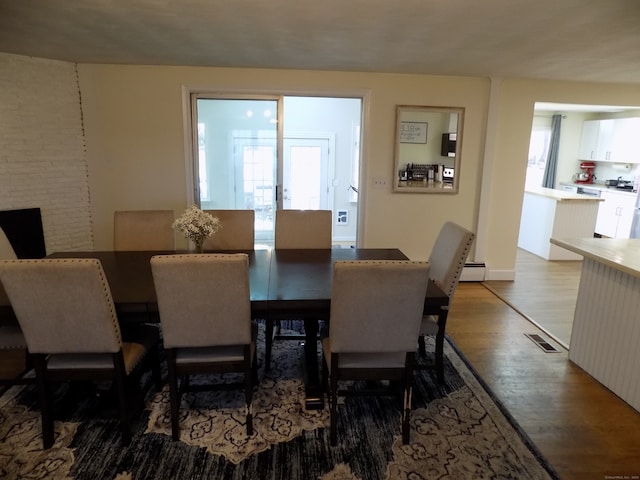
(314, 399)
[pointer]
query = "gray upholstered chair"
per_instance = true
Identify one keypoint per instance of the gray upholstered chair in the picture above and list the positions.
(376, 309)
(143, 230)
(303, 229)
(297, 229)
(11, 337)
(447, 260)
(66, 312)
(237, 231)
(205, 313)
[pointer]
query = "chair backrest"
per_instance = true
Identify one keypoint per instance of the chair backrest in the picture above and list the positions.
(377, 305)
(203, 299)
(237, 230)
(448, 256)
(6, 250)
(62, 305)
(303, 229)
(143, 230)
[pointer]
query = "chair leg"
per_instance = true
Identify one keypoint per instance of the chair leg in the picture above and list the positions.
(408, 391)
(46, 406)
(268, 343)
(122, 389)
(248, 390)
(155, 368)
(406, 415)
(440, 357)
(333, 399)
(325, 375)
(174, 394)
(421, 346)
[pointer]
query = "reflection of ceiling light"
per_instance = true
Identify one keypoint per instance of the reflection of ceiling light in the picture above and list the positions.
(249, 113)
(267, 113)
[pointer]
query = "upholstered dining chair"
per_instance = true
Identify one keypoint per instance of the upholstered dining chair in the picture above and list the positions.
(237, 230)
(376, 310)
(143, 230)
(296, 229)
(11, 337)
(447, 259)
(205, 314)
(65, 309)
(303, 229)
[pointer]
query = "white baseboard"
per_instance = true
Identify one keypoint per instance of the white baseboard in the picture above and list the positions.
(473, 272)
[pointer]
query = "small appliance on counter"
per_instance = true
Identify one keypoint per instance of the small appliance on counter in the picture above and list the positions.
(620, 184)
(586, 173)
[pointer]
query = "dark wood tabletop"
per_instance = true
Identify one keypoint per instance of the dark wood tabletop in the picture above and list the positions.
(131, 282)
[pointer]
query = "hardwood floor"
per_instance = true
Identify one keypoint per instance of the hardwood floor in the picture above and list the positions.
(582, 429)
(544, 291)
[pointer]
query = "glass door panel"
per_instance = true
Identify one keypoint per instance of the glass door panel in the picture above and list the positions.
(251, 154)
(237, 155)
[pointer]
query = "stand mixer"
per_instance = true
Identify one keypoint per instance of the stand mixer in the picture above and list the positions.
(586, 175)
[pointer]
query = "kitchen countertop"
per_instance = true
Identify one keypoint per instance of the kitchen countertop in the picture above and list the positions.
(561, 195)
(600, 186)
(619, 253)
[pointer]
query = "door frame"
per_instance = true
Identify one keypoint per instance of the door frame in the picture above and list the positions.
(191, 138)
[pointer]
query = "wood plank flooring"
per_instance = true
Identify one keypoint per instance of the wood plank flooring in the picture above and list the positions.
(544, 291)
(582, 429)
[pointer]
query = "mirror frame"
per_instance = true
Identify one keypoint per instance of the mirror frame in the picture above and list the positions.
(419, 133)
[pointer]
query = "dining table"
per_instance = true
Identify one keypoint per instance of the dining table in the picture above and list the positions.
(284, 284)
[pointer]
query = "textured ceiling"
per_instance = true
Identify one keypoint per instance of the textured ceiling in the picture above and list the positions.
(586, 40)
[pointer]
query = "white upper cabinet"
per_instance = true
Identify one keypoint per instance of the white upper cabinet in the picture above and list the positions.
(611, 140)
(589, 140)
(625, 141)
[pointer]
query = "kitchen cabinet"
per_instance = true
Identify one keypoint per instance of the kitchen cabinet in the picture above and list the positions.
(611, 140)
(624, 146)
(589, 140)
(615, 214)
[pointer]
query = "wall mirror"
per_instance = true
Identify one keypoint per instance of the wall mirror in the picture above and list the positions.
(427, 149)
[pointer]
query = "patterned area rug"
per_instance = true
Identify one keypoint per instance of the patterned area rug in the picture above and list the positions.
(458, 432)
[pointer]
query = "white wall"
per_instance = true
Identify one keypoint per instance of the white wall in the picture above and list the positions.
(137, 154)
(42, 155)
(136, 142)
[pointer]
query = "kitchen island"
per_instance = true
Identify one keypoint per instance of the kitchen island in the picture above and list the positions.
(606, 327)
(548, 213)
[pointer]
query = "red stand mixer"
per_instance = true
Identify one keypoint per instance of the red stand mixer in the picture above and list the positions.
(586, 175)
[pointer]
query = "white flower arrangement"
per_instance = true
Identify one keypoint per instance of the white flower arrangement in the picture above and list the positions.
(197, 225)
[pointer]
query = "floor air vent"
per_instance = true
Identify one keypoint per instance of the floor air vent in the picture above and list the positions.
(542, 343)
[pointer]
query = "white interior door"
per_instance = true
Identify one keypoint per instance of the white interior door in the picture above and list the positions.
(306, 174)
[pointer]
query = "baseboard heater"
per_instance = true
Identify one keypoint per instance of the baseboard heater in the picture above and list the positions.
(473, 272)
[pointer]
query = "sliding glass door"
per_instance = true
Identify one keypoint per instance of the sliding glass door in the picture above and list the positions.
(265, 153)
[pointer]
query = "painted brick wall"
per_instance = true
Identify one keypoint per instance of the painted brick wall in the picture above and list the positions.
(42, 149)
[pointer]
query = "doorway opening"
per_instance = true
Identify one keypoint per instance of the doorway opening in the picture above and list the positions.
(279, 152)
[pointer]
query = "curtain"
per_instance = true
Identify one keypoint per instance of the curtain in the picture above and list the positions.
(549, 179)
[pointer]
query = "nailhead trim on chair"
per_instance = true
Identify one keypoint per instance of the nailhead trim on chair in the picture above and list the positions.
(461, 264)
(105, 284)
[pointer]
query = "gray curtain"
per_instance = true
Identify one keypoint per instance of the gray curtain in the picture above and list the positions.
(549, 179)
